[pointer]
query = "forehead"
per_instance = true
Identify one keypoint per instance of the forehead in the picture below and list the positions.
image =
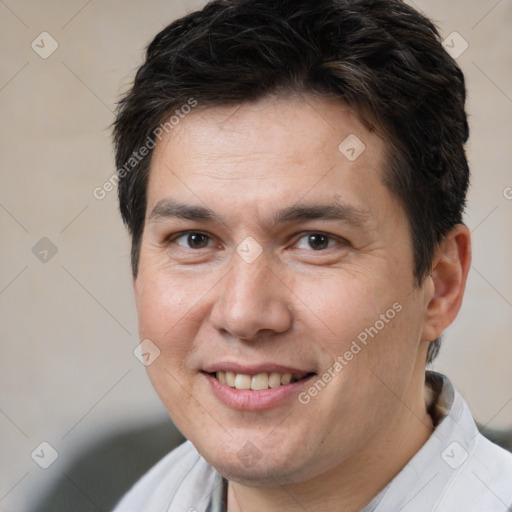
(271, 151)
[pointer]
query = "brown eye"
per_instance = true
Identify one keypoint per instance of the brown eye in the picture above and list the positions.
(315, 241)
(318, 242)
(193, 240)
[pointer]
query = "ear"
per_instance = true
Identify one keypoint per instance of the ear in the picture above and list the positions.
(445, 286)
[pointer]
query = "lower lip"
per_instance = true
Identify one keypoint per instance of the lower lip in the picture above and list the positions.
(248, 400)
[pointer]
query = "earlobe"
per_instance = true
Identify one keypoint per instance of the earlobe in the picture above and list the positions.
(444, 288)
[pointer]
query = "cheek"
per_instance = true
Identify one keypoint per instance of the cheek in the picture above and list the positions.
(168, 310)
(372, 323)
(340, 303)
(394, 348)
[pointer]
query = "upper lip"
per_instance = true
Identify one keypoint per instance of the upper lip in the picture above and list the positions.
(253, 369)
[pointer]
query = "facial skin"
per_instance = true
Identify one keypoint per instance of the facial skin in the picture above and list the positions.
(298, 304)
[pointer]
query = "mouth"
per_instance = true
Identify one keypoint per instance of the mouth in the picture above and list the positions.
(259, 382)
(252, 387)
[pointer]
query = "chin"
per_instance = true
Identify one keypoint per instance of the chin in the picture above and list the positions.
(262, 474)
(253, 467)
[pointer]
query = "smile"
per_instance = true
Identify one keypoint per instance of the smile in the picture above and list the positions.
(258, 382)
(254, 388)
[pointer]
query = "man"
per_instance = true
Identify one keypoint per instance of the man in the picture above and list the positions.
(293, 177)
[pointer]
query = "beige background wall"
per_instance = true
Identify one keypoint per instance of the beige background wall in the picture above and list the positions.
(68, 325)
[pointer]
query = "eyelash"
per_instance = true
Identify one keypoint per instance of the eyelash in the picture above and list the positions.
(330, 238)
(175, 237)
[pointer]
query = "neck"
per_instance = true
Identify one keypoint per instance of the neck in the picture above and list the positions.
(350, 486)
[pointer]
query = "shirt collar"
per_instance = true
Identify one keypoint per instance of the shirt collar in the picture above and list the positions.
(219, 498)
(423, 479)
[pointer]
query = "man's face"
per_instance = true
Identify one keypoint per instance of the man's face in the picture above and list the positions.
(270, 249)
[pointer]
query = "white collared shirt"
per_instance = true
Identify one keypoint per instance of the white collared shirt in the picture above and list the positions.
(456, 470)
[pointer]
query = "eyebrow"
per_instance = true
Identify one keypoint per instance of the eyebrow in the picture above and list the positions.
(168, 208)
(332, 211)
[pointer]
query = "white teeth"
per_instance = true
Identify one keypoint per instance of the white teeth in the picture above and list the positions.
(257, 382)
(230, 379)
(274, 380)
(242, 381)
(286, 378)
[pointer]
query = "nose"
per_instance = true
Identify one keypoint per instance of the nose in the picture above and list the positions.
(251, 302)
